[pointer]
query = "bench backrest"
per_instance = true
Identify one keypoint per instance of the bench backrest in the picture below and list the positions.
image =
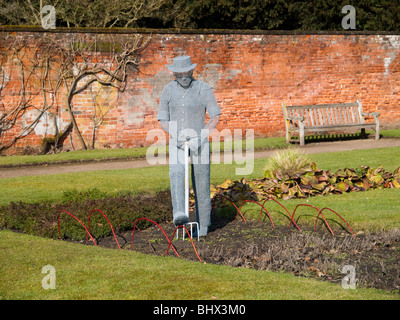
(326, 114)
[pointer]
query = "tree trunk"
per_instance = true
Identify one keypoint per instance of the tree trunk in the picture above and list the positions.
(71, 114)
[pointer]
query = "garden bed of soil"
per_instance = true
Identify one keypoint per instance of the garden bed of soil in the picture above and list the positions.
(318, 254)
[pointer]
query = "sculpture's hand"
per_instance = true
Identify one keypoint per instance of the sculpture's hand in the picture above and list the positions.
(195, 144)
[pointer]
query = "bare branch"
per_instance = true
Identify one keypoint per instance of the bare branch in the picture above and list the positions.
(74, 66)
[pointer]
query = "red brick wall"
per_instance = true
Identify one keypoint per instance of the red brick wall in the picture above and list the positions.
(252, 74)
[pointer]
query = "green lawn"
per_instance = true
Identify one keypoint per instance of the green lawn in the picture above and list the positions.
(51, 187)
(78, 155)
(389, 158)
(87, 272)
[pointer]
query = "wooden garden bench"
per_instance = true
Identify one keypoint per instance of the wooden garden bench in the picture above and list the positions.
(327, 117)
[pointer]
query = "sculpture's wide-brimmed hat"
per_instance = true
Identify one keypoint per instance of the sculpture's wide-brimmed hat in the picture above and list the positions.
(182, 64)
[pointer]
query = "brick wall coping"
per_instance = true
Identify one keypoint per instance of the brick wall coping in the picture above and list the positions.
(190, 31)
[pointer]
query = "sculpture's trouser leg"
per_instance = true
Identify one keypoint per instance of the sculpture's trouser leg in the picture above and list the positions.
(200, 182)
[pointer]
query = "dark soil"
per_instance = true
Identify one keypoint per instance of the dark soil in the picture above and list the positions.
(375, 257)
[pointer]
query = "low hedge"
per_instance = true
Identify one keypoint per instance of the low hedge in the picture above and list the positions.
(41, 219)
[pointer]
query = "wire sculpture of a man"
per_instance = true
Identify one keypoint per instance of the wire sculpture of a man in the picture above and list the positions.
(184, 103)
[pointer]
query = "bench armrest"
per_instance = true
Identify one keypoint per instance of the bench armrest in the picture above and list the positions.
(301, 119)
(373, 114)
(292, 120)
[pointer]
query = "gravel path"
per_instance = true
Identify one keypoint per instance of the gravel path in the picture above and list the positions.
(130, 164)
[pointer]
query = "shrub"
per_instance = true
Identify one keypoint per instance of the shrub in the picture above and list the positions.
(286, 163)
(309, 181)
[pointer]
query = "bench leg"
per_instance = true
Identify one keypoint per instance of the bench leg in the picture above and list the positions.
(377, 131)
(302, 136)
(287, 137)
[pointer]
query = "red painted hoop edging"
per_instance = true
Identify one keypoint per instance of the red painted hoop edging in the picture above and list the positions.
(112, 229)
(320, 212)
(262, 207)
(169, 242)
(237, 209)
(181, 226)
(59, 233)
(173, 234)
(133, 232)
(291, 216)
(323, 217)
(287, 211)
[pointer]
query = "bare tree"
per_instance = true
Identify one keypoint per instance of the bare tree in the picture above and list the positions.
(60, 67)
(22, 81)
(101, 107)
(83, 68)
